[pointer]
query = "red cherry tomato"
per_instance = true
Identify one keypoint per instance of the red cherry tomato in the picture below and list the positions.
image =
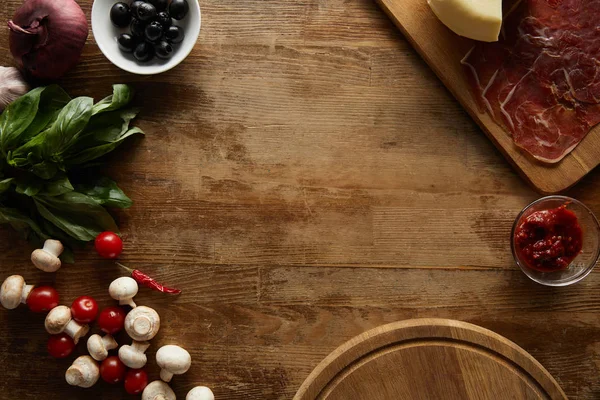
(84, 309)
(108, 245)
(61, 345)
(112, 370)
(42, 299)
(136, 381)
(111, 319)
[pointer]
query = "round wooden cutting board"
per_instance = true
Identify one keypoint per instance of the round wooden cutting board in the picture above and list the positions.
(429, 359)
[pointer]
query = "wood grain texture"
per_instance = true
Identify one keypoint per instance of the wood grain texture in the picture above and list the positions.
(443, 50)
(429, 358)
(304, 178)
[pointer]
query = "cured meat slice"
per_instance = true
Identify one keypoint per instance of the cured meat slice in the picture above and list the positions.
(541, 81)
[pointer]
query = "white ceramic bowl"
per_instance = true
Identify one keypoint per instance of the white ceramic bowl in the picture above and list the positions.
(106, 34)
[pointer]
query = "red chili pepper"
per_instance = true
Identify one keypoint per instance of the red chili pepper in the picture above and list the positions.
(148, 281)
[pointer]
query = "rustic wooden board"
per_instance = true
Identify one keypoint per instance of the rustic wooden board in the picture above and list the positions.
(443, 50)
(429, 359)
(304, 177)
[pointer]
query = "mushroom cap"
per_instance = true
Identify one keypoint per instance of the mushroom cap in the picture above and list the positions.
(200, 393)
(174, 359)
(57, 319)
(142, 323)
(156, 389)
(45, 261)
(123, 288)
(84, 372)
(11, 290)
(132, 357)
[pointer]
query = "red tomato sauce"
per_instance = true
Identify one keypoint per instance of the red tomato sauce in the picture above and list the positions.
(549, 240)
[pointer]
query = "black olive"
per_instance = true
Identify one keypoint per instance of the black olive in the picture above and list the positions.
(133, 7)
(174, 34)
(160, 5)
(119, 14)
(127, 42)
(164, 18)
(137, 27)
(163, 49)
(178, 9)
(143, 52)
(146, 12)
(153, 31)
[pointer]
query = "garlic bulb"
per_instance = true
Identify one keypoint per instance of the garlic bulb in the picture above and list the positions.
(12, 86)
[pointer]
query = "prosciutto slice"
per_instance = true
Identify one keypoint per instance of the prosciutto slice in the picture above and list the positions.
(541, 82)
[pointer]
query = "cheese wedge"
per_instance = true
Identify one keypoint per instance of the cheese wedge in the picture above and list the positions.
(475, 19)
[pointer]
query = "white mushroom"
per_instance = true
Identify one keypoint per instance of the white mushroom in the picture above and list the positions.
(173, 360)
(84, 372)
(46, 258)
(142, 323)
(98, 346)
(158, 390)
(123, 289)
(59, 320)
(200, 393)
(133, 356)
(14, 291)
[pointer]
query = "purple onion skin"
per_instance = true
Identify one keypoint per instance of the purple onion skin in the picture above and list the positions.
(47, 37)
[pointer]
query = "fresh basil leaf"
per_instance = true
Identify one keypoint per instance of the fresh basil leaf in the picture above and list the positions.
(33, 185)
(122, 95)
(72, 119)
(19, 221)
(45, 169)
(104, 128)
(106, 192)
(5, 184)
(78, 215)
(18, 116)
(52, 100)
(29, 115)
(57, 186)
(98, 151)
(29, 186)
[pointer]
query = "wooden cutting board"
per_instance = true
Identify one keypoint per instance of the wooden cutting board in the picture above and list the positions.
(443, 50)
(429, 359)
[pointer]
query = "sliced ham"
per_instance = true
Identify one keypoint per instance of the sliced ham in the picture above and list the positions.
(541, 81)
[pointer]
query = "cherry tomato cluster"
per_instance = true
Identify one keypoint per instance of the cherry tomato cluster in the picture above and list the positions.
(84, 310)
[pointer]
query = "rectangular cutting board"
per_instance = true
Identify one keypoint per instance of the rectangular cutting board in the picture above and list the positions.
(442, 50)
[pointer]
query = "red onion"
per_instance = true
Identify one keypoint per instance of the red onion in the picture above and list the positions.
(47, 37)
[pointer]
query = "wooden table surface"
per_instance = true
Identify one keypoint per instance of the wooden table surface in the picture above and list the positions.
(304, 177)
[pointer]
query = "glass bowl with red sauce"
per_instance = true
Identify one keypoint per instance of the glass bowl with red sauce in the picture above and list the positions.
(556, 241)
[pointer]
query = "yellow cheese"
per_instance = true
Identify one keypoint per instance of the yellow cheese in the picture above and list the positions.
(475, 19)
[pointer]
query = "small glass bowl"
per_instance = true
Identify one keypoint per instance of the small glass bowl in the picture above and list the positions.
(584, 263)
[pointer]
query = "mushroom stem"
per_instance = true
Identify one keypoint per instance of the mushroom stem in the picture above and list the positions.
(140, 346)
(166, 375)
(127, 302)
(53, 247)
(75, 330)
(25, 294)
(109, 342)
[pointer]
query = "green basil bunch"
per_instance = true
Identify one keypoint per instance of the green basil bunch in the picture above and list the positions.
(49, 146)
